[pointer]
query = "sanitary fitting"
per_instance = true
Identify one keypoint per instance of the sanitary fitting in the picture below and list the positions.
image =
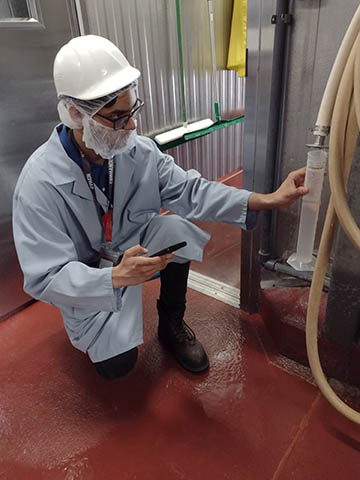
(321, 130)
(319, 139)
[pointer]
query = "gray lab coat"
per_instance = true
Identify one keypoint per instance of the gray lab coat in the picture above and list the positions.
(57, 234)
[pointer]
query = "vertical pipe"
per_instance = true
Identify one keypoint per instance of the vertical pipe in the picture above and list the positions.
(213, 61)
(79, 17)
(181, 62)
(276, 100)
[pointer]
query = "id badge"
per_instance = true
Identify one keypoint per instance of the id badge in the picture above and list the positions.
(109, 257)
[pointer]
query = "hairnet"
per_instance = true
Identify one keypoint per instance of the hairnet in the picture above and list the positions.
(87, 107)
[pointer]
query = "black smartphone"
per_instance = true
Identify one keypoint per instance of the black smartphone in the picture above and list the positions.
(170, 249)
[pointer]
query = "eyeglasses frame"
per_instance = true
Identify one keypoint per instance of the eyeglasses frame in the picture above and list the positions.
(124, 119)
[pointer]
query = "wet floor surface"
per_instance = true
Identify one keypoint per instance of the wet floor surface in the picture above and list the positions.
(222, 253)
(246, 418)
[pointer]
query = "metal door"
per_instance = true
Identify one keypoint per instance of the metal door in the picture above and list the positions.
(31, 32)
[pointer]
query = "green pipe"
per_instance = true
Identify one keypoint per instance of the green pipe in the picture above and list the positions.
(181, 61)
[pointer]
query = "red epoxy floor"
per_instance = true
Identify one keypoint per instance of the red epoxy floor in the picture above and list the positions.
(244, 419)
(222, 254)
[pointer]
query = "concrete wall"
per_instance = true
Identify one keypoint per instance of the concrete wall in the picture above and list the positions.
(317, 32)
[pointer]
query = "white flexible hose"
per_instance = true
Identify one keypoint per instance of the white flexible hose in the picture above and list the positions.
(345, 126)
(327, 104)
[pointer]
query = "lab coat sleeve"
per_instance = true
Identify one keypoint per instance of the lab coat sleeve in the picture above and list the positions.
(189, 195)
(52, 271)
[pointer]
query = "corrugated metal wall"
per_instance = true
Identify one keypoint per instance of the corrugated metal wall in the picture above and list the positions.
(145, 30)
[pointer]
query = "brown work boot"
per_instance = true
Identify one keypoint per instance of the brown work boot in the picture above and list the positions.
(180, 340)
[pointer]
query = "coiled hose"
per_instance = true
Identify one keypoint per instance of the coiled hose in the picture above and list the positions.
(345, 126)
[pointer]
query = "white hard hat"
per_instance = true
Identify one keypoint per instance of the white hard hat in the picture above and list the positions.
(90, 67)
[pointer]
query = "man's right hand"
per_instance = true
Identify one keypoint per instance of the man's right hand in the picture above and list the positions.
(134, 269)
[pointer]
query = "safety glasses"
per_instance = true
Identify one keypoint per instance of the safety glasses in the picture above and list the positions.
(120, 122)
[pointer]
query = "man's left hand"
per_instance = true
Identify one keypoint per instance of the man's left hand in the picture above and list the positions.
(289, 191)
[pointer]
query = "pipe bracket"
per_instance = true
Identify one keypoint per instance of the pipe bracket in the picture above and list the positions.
(285, 18)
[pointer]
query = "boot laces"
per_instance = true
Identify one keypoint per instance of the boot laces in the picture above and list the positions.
(183, 333)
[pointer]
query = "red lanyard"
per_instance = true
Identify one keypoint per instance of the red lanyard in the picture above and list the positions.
(106, 218)
(107, 225)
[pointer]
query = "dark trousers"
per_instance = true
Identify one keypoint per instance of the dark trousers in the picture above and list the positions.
(172, 295)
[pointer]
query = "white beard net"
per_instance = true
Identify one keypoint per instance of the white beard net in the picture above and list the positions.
(105, 141)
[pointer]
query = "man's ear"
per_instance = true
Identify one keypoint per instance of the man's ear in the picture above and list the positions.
(75, 114)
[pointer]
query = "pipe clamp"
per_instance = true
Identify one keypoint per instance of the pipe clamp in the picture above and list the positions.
(285, 18)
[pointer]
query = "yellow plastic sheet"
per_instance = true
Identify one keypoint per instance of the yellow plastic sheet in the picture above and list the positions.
(237, 44)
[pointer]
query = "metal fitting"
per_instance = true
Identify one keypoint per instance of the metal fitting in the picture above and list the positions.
(285, 18)
(319, 142)
(321, 130)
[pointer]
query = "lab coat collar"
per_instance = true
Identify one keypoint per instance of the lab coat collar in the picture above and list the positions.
(63, 170)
